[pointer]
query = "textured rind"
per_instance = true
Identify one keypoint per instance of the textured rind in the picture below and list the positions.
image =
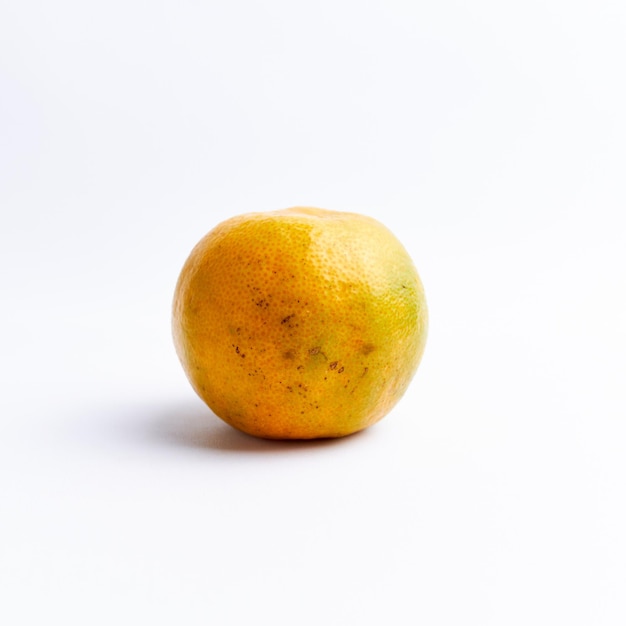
(300, 323)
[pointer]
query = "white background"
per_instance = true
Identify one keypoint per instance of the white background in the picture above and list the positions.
(489, 136)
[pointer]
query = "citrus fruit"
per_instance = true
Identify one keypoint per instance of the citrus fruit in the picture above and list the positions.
(300, 323)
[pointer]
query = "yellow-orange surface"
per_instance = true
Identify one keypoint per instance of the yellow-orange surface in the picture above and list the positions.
(299, 323)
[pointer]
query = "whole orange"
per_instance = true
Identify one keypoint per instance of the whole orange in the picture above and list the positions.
(300, 323)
